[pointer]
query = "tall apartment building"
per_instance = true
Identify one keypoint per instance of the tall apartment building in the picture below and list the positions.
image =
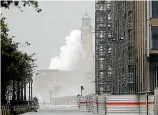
(134, 46)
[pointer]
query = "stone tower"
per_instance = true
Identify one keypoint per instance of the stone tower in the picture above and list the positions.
(88, 63)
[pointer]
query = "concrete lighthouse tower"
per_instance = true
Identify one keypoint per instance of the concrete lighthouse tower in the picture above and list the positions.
(86, 34)
(88, 62)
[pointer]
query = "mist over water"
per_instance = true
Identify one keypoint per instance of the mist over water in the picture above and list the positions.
(68, 84)
(64, 90)
(70, 54)
(68, 69)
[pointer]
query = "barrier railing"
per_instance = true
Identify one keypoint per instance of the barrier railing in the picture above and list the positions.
(142, 104)
(5, 109)
(156, 101)
(146, 103)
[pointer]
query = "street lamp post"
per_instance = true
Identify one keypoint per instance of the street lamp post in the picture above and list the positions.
(82, 88)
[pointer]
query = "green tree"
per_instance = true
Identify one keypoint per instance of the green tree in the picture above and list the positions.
(7, 4)
(17, 67)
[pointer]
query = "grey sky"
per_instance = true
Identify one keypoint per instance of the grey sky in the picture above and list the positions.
(46, 31)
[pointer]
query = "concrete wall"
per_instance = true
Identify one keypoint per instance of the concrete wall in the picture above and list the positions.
(67, 100)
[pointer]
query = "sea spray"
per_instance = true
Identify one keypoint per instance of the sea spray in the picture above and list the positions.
(71, 54)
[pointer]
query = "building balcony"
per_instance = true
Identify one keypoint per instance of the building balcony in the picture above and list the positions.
(153, 51)
(153, 21)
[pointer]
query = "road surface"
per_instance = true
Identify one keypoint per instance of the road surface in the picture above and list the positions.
(58, 111)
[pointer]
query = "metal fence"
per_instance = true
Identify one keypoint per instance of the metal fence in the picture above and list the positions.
(156, 101)
(142, 104)
(146, 103)
(5, 109)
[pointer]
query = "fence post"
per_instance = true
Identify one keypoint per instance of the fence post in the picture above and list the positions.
(4, 110)
(105, 105)
(156, 101)
(146, 103)
(97, 104)
(86, 104)
(91, 104)
(138, 98)
(79, 102)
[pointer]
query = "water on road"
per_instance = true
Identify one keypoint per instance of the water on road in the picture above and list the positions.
(58, 112)
(63, 110)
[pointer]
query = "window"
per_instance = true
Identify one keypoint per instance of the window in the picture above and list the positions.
(123, 70)
(155, 9)
(86, 21)
(130, 69)
(154, 31)
(102, 88)
(130, 86)
(97, 6)
(130, 54)
(108, 88)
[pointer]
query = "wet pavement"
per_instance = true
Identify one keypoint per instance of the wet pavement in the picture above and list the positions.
(62, 110)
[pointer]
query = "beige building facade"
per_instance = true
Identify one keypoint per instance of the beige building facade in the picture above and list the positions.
(146, 35)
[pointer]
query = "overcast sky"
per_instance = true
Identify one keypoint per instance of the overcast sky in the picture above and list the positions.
(46, 31)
